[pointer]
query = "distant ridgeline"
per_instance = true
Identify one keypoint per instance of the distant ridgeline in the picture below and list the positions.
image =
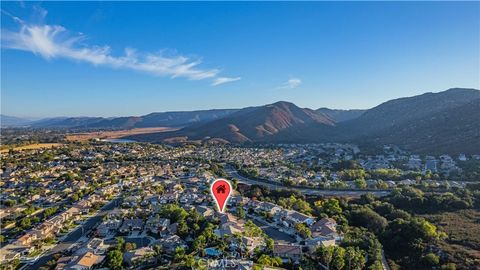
(433, 123)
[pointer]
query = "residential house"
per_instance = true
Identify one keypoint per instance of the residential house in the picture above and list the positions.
(314, 243)
(294, 217)
(84, 262)
(108, 226)
(169, 244)
(251, 243)
(134, 224)
(326, 227)
(288, 252)
(138, 254)
(26, 239)
(155, 224)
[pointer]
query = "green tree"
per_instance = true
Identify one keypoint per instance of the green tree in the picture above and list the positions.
(25, 223)
(189, 261)
(9, 203)
(158, 250)
(115, 259)
(240, 212)
(269, 243)
(199, 244)
(350, 175)
(354, 258)
(448, 266)
(120, 243)
(179, 254)
(377, 265)
(331, 207)
(366, 217)
(182, 229)
(325, 255)
(266, 260)
(173, 212)
(303, 230)
(360, 183)
(338, 261)
(49, 211)
(374, 251)
(431, 259)
(295, 203)
(252, 230)
(160, 189)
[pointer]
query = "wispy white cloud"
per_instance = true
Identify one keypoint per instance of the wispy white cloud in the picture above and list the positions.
(291, 83)
(55, 41)
(222, 80)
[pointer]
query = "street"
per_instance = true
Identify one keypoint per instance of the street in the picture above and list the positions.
(73, 236)
(307, 191)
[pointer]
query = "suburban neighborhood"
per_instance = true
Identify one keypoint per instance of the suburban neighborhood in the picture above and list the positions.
(102, 204)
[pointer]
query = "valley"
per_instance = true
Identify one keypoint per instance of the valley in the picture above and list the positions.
(114, 134)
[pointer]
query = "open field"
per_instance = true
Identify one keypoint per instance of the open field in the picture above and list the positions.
(32, 146)
(115, 134)
(463, 229)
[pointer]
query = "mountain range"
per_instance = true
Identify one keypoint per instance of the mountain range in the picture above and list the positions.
(432, 123)
(436, 123)
(341, 115)
(11, 121)
(157, 119)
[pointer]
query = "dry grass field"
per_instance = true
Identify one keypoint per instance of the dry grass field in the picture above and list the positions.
(32, 146)
(463, 242)
(114, 134)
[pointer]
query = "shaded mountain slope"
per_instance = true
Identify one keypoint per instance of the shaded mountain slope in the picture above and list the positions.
(403, 110)
(453, 130)
(161, 119)
(255, 124)
(341, 115)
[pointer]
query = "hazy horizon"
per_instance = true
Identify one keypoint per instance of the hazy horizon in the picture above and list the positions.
(201, 109)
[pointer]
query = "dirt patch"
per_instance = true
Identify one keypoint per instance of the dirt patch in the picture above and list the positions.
(79, 137)
(31, 147)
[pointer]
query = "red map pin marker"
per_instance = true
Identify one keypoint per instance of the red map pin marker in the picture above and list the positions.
(221, 190)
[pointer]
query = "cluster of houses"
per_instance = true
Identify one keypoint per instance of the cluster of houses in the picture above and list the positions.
(148, 177)
(324, 231)
(50, 228)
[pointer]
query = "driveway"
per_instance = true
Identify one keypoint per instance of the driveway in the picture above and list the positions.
(273, 232)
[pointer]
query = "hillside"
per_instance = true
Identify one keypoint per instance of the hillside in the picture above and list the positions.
(444, 122)
(161, 119)
(453, 130)
(436, 123)
(341, 115)
(12, 121)
(66, 122)
(158, 119)
(274, 122)
(403, 110)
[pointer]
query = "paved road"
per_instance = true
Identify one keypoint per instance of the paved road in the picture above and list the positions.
(140, 241)
(73, 236)
(274, 233)
(307, 191)
(384, 261)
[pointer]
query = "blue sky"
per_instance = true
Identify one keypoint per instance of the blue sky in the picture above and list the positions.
(126, 58)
